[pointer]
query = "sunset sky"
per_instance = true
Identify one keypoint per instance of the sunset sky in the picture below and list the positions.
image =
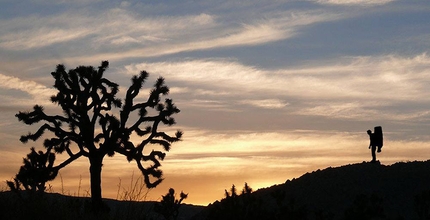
(268, 90)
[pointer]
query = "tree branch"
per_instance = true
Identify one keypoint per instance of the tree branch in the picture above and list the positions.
(71, 159)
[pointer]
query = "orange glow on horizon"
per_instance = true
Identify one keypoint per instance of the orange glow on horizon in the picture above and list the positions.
(205, 173)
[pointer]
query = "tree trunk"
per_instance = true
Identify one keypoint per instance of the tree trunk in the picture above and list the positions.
(96, 181)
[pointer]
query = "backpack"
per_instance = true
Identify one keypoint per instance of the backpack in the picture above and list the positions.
(379, 139)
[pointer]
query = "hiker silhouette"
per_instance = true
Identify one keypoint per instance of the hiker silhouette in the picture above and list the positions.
(376, 141)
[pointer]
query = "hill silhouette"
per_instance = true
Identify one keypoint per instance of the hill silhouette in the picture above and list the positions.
(356, 191)
(369, 190)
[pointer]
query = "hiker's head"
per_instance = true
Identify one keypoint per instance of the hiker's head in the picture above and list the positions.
(369, 132)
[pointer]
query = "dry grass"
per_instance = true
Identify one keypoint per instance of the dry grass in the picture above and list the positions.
(136, 191)
(131, 203)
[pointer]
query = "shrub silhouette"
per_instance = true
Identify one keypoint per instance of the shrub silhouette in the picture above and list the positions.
(35, 172)
(169, 205)
(89, 127)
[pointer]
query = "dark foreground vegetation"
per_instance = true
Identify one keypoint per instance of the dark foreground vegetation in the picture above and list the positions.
(46, 206)
(359, 191)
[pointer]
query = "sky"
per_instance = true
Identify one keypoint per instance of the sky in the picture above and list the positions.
(268, 90)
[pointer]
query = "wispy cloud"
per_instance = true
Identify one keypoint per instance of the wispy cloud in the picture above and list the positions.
(39, 93)
(370, 77)
(355, 77)
(133, 35)
(131, 28)
(36, 31)
(350, 88)
(266, 103)
(114, 27)
(75, 2)
(355, 2)
(39, 38)
(271, 28)
(212, 105)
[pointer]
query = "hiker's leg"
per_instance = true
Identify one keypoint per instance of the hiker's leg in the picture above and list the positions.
(373, 153)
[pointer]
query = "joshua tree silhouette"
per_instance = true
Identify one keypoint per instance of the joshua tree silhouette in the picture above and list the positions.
(87, 100)
(35, 172)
